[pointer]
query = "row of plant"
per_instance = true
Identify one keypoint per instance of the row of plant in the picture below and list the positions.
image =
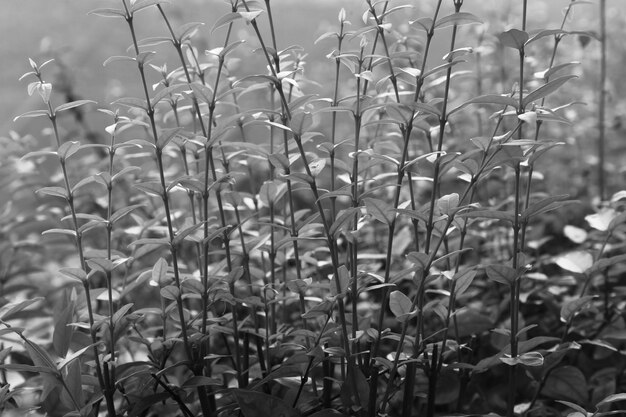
(241, 245)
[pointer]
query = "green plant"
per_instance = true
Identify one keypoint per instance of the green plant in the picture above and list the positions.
(245, 246)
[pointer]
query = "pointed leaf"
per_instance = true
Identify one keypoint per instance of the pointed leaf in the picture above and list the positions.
(152, 188)
(463, 280)
(546, 89)
(539, 207)
(380, 210)
(108, 12)
(573, 307)
(159, 271)
(166, 135)
(495, 99)
(33, 113)
(301, 122)
(502, 274)
(54, 191)
(9, 309)
(72, 104)
(458, 19)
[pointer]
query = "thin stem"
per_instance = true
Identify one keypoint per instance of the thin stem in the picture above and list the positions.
(602, 104)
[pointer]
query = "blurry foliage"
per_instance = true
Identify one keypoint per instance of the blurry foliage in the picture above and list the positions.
(414, 236)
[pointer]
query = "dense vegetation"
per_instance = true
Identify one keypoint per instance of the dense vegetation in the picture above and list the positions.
(240, 240)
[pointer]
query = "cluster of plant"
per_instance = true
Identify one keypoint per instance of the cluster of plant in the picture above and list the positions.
(239, 245)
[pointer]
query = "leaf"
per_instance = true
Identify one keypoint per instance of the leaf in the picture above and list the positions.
(355, 389)
(575, 234)
(618, 196)
(101, 264)
(146, 402)
(471, 322)
(27, 368)
(225, 20)
(448, 203)
(578, 261)
(108, 12)
(166, 135)
(546, 89)
(579, 409)
(201, 381)
(573, 307)
(566, 383)
(151, 187)
(340, 283)
(602, 219)
(258, 404)
(321, 309)
(159, 271)
(142, 4)
(316, 166)
(182, 234)
(380, 210)
(602, 264)
(544, 33)
(66, 232)
(74, 356)
(528, 345)
(151, 241)
(458, 19)
(7, 310)
(399, 112)
(168, 92)
(548, 74)
(62, 335)
(543, 206)
(514, 38)
(463, 280)
(611, 399)
(400, 305)
(344, 220)
(72, 104)
(124, 211)
(527, 359)
(74, 383)
(54, 191)
(170, 292)
(502, 274)
(529, 117)
(75, 273)
(33, 113)
(132, 102)
(121, 313)
(248, 17)
(301, 122)
(187, 31)
(68, 149)
(39, 356)
(495, 99)
(419, 259)
(490, 214)
(619, 219)
(270, 193)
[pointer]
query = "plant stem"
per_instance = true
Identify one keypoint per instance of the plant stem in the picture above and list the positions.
(602, 104)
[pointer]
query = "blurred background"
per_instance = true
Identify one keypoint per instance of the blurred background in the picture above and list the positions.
(41, 29)
(80, 43)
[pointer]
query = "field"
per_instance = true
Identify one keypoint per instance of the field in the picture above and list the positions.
(357, 208)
